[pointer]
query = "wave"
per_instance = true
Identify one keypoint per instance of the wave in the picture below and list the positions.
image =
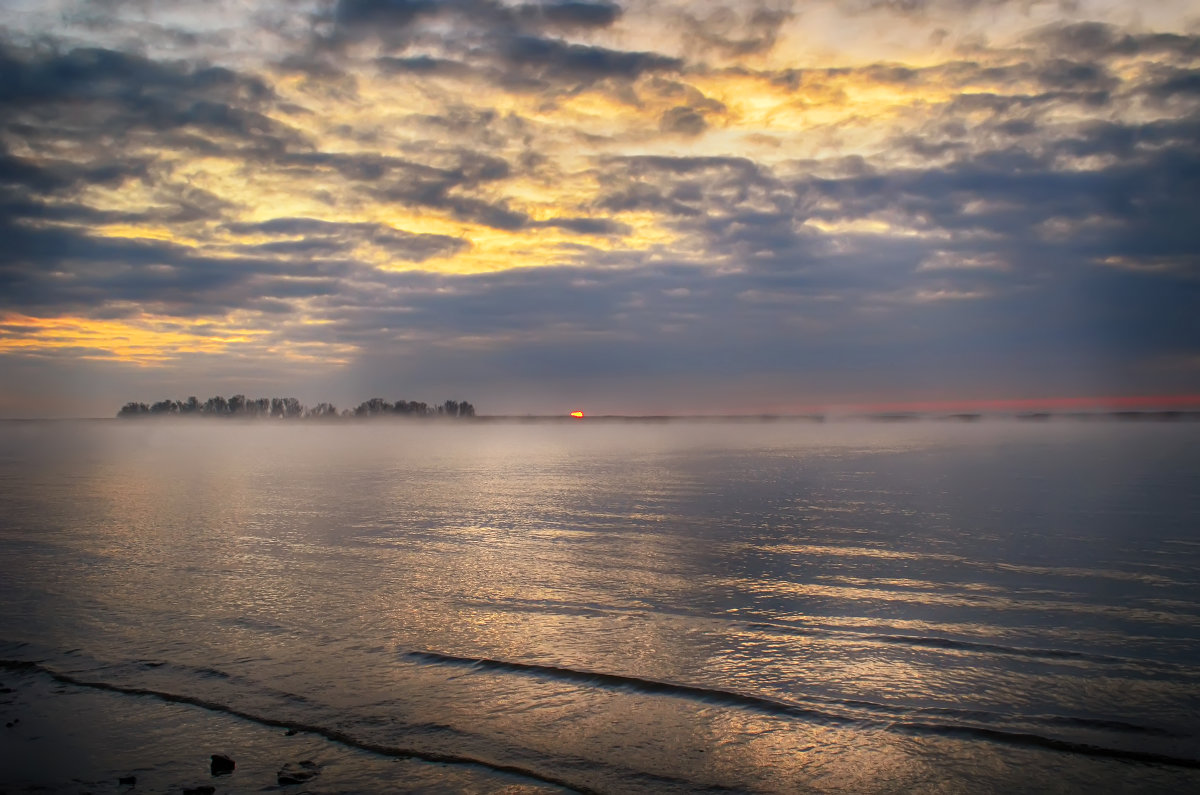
(979, 647)
(208, 672)
(727, 698)
(884, 717)
(333, 735)
(917, 641)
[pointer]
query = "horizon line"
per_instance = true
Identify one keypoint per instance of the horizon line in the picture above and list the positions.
(951, 407)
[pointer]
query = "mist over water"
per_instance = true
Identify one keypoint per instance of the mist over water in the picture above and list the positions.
(772, 607)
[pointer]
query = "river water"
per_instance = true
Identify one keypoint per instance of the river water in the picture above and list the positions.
(601, 607)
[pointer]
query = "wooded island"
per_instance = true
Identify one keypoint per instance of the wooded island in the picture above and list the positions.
(292, 409)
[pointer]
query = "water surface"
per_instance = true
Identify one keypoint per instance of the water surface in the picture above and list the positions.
(772, 607)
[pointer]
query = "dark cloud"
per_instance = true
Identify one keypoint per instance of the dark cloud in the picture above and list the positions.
(106, 271)
(423, 65)
(1100, 40)
(1060, 73)
(398, 13)
(559, 59)
(588, 226)
(42, 177)
(45, 189)
(731, 33)
(698, 194)
(384, 17)
(515, 46)
(478, 27)
(92, 95)
(1169, 83)
(414, 183)
(569, 14)
(683, 120)
(38, 77)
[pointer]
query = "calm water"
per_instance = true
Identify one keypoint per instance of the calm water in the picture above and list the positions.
(617, 608)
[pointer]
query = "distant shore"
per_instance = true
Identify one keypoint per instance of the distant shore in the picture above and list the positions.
(889, 417)
(1161, 416)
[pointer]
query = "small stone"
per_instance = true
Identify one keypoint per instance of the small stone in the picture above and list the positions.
(127, 781)
(222, 765)
(290, 732)
(202, 790)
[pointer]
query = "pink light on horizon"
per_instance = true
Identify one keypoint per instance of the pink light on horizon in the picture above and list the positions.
(1076, 403)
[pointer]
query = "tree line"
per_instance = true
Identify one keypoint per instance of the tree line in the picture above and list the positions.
(290, 408)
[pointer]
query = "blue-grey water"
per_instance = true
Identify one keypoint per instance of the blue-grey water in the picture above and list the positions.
(779, 607)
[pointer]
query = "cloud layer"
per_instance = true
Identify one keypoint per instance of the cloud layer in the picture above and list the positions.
(629, 206)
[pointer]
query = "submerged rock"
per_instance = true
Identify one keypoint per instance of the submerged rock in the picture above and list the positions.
(127, 781)
(201, 790)
(222, 765)
(298, 773)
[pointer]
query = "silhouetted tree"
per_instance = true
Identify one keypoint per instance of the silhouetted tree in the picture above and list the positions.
(323, 410)
(216, 406)
(165, 407)
(133, 410)
(373, 408)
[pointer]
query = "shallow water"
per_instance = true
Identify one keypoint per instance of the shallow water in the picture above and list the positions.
(771, 607)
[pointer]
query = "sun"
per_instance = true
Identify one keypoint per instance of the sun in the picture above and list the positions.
(577, 415)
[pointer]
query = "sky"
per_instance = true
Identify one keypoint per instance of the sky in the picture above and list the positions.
(621, 207)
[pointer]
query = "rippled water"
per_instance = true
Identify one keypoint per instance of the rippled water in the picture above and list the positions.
(773, 607)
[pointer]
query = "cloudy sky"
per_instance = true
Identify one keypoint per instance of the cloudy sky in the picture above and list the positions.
(625, 207)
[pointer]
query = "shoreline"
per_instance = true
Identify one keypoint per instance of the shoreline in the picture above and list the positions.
(61, 736)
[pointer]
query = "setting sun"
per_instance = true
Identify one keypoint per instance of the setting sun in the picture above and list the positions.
(577, 415)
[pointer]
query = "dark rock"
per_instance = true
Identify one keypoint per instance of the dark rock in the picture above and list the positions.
(127, 781)
(222, 765)
(290, 732)
(202, 790)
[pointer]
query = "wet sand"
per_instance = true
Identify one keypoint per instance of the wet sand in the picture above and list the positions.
(63, 738)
